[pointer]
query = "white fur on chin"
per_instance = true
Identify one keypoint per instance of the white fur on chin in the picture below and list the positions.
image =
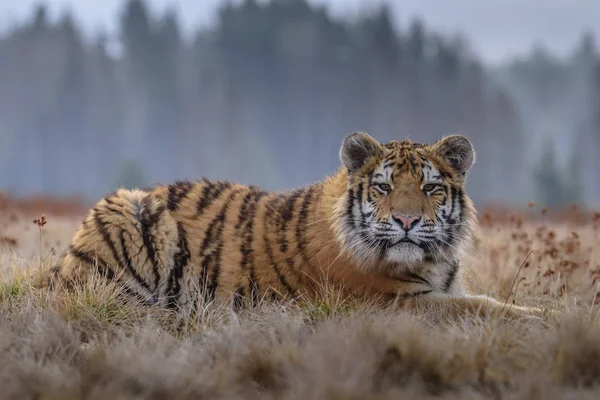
(405, 253)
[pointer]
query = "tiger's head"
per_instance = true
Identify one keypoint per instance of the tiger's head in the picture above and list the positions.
(405, 204)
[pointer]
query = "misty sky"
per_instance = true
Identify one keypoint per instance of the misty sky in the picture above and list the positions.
(496, 29)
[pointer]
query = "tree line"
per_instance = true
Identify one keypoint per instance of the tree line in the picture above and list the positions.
(267, 95)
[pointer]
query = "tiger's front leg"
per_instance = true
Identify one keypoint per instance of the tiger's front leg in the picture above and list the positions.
(458, 305)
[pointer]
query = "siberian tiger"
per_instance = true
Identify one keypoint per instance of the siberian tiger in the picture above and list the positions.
(393, 220)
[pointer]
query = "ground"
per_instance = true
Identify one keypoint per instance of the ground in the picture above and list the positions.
(93, 344)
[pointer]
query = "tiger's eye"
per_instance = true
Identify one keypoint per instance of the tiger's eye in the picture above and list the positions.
(429, 187)
(385, 187)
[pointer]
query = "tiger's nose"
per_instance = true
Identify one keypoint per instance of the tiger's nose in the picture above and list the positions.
(407, 221)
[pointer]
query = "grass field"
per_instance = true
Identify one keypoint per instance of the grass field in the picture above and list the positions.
(92, 344)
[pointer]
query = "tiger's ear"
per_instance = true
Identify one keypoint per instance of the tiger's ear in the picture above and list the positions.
(357, 149)
(458, 151)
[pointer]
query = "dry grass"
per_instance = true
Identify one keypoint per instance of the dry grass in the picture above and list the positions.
(95, 344)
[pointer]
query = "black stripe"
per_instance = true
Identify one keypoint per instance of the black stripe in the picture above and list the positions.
(180, 261)
(390, 157)
(220, 243)
(369, 197)
(177, 192)
(128, 264)
(245, 228)
(445, 199)
(301, 227)
(416, 277)
(211, 192)
(210, 252)
(407, 280)
(461, 202)
(243, 214)
(148, 221)
(453, 195)
(456, 229)
(100, 225)
(350, 206)
(359, 197)
(412, 161)
(449, 279)
(269, 250)
(109, 200)
(350, 221)
(286, 213)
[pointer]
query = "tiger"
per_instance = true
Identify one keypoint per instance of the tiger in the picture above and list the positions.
(393, 220)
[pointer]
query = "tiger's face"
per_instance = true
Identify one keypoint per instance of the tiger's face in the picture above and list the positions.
(405, 203)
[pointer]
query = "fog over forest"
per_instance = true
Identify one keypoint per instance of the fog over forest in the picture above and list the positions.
(267, 95)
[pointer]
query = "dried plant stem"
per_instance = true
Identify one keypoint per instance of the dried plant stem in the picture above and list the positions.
(515, 280)
(40, 222)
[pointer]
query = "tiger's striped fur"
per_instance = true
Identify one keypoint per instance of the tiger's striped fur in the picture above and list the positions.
(190, 242)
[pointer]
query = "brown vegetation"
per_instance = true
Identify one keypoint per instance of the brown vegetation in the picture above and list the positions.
(95, 344)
